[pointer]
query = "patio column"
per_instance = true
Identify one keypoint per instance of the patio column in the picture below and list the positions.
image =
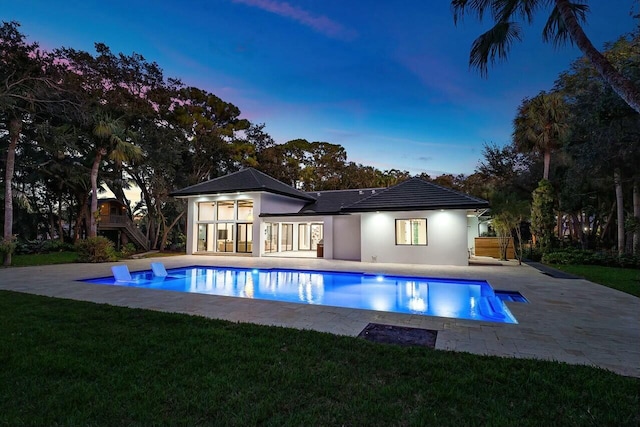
(327, 235)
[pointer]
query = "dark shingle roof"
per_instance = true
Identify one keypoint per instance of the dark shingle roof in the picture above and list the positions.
(416, 194)
(413, 194)
(248, 179)
(333, 201)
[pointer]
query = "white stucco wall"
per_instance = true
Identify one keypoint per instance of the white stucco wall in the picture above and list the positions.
(472, 232)
(346, 237)
(274, 203)
(446, 234)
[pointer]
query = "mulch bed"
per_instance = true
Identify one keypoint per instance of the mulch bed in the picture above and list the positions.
(400, 335)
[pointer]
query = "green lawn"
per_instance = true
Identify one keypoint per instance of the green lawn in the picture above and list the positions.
(43, 259)
(624, 279)
(77, 363)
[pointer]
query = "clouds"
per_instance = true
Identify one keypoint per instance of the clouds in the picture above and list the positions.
(319, 23)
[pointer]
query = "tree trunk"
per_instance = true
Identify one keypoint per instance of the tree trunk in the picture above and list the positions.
(156, 236)
(577, 230)
(59, 224)
(608, 220)
(15, 129)
(547, 164)
(617, 180)
(167, 230)
(93, 225)
(621, 85)
(636, 214)
(82, 214)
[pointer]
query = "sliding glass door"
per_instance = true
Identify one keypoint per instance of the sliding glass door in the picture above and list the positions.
(271, 237)
(244, 236)
(286, 241)
(225, 237)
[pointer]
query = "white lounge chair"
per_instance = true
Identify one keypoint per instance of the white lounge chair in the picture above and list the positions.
(158, 269)
(121, 273)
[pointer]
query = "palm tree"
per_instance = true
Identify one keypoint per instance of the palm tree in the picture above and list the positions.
(541, 125)
(110, 138)
(562, 25)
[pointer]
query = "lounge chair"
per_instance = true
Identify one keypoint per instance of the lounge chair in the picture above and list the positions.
(121, 273)
(158, 269)
(159, 272)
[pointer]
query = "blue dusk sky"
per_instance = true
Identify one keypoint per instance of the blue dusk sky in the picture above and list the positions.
(388, 80)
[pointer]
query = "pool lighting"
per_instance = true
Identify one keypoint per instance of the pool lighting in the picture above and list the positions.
(380, 278)
(255, 271)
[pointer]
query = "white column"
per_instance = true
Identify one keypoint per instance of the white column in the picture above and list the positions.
(327, 236)
(192, 228)
(258, 227)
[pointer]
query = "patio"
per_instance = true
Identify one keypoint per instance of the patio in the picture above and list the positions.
(568, 320)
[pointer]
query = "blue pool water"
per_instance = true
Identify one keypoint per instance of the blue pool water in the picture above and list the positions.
(460, 299)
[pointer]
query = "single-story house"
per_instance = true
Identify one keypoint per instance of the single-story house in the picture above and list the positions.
(251, 213)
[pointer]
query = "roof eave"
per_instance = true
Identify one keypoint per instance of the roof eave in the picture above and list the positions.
(246, 190)
(416, 208)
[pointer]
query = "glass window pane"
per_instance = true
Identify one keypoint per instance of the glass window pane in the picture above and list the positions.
(402, 237)
(225, 237)
(245, 210)
(245, 238)
(304, 240)
(206, 211)
(411, 231)
(225, 211)
(421, 237)
(271, 238)
(316, 235)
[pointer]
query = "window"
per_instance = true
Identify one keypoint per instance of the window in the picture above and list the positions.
(223, 224)
(411, 231)
(271, 237)
(245, 210)
(244, 234)
(206, 211)
(304, 239)
(286, 239)
(226, 211)
(225, 237)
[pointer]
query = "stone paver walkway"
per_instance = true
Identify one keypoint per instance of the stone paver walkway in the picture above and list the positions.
(568, 320)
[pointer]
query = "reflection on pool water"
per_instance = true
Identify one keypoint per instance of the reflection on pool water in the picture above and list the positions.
(454, 298)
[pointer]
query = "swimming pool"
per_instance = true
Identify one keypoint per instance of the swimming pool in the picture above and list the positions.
(454, 298)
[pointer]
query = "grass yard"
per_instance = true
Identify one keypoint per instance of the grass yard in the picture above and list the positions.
(624, 279)
(78, 363)
(43, 259)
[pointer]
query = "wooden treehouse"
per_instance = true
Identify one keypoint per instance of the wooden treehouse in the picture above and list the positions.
(114, 222)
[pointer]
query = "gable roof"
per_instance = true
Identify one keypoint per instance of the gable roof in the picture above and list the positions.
(416, 194)
(248, 179)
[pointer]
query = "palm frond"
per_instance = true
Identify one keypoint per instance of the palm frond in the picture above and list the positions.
(493, 45)
(461, 7)
(556, 31)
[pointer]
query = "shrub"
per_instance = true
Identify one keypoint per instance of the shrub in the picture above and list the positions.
(56, 245)
(532, 253)
(128, 250)
(7, 246)
(42, 246)
(584, 257)
(95, 249)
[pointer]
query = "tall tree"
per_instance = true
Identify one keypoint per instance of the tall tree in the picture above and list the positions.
(25, 87)
(563, 25)
(542, 214)
(110, 140)
(542, 125)
(605, 140)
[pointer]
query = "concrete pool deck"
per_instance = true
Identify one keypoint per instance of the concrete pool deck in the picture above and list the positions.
(568, 320)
